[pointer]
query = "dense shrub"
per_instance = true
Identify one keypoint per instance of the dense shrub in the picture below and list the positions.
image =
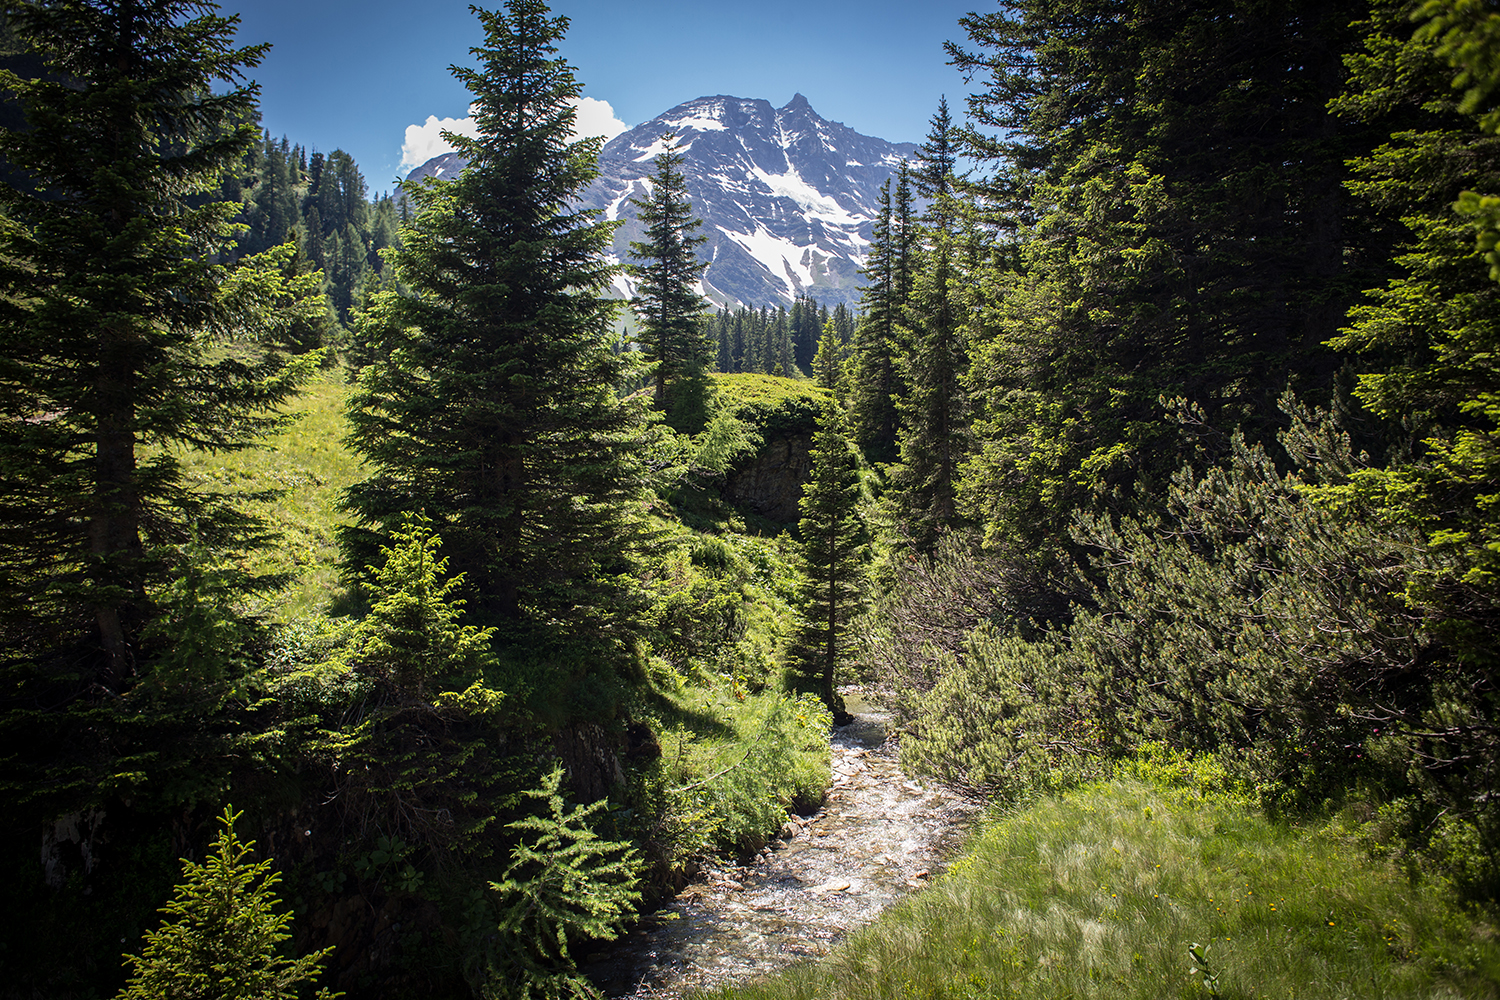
(1249, 618)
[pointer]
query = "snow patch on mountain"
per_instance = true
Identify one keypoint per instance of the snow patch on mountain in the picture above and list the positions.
(787, 198)
(813, 203)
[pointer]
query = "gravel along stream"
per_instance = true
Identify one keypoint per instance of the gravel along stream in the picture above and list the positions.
(878, 837)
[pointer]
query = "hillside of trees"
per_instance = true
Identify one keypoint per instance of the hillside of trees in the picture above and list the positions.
(1166, 430)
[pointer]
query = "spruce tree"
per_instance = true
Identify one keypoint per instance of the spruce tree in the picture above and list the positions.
(827, 366)
(412, 636)
(489, 403)
(1174, 179)
(118, 328)
(933, 412)
(565, 885)
(222, 936)
(1429, 348)
(833, 546)
(873, 389)
(671, 310)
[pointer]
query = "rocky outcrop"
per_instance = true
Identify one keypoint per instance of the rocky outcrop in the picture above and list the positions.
(771, 484)
(590, 759)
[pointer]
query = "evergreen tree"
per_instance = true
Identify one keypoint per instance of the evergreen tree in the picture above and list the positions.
(488, 404)
(806, 328)
(873, 388)
(671, 310)
(412, 634)
(1429, 347)
(780, 356)
(827, 368)
(843, 324)
(1173, 178)
(222, 936)
(934, 421)
(116, 315)
(833, 546)
(724, 332)
(565, 885)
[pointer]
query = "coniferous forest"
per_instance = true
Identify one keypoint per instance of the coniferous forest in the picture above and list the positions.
(377, 619)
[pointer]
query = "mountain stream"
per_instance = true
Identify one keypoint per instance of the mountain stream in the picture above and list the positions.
(878, 837)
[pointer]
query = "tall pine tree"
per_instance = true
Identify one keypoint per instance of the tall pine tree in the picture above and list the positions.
(117, 327)
(1173, 178)
(489, 405)
(833, 546)
(934, 421)
(672, 331)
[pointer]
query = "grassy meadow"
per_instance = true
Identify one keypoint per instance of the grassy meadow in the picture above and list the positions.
(307, 467)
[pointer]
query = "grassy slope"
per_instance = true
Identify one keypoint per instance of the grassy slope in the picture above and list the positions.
(1101, 893)
(310, 466)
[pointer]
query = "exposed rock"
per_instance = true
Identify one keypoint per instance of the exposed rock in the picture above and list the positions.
(771, 484)
(587, 754)
(69, 846)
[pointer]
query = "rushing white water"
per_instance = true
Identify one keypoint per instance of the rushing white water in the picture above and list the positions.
(878, 837)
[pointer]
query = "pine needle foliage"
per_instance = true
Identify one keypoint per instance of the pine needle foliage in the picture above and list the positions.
(412, 635)
(876, 384)
(833, 549)
(222, 934)
(673, 332)
(565, 884)
(933, 410)
(119, 330)
(491, 405)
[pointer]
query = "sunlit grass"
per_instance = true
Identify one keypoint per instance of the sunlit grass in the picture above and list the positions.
(1101, 894)
(309, 466)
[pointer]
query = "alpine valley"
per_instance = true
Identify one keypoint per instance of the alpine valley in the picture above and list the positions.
(787, 198)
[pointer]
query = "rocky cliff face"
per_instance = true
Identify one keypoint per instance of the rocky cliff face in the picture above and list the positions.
(771, 483)
(787, 198)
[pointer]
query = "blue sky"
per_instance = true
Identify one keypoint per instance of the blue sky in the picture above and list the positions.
(354, 74)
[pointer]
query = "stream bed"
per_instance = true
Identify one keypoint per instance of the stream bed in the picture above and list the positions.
(878, 837)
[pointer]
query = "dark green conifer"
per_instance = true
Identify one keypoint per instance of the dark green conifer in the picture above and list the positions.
(489, 404)
(827, 364)
(873, 389)
(223, 934)
(667, 301)
(833, 546)
(933, 412)
(115, 322)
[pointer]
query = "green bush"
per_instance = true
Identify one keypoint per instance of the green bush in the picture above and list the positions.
(732, 764)
(1001, 721)
(1258, 617)
(770, 404)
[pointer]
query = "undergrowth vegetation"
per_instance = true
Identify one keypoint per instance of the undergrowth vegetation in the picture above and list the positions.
(396, 757)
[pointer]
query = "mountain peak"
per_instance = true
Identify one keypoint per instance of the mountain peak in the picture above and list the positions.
(787, 198)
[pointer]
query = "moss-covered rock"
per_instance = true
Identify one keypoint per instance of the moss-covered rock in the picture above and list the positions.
(783, 412)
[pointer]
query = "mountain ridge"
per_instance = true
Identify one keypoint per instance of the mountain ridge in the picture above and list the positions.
(788, 199)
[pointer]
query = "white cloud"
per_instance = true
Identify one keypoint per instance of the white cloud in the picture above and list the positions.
(597, 118)
(425, 141)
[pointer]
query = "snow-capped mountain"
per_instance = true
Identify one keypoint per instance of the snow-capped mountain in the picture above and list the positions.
(787, 198)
